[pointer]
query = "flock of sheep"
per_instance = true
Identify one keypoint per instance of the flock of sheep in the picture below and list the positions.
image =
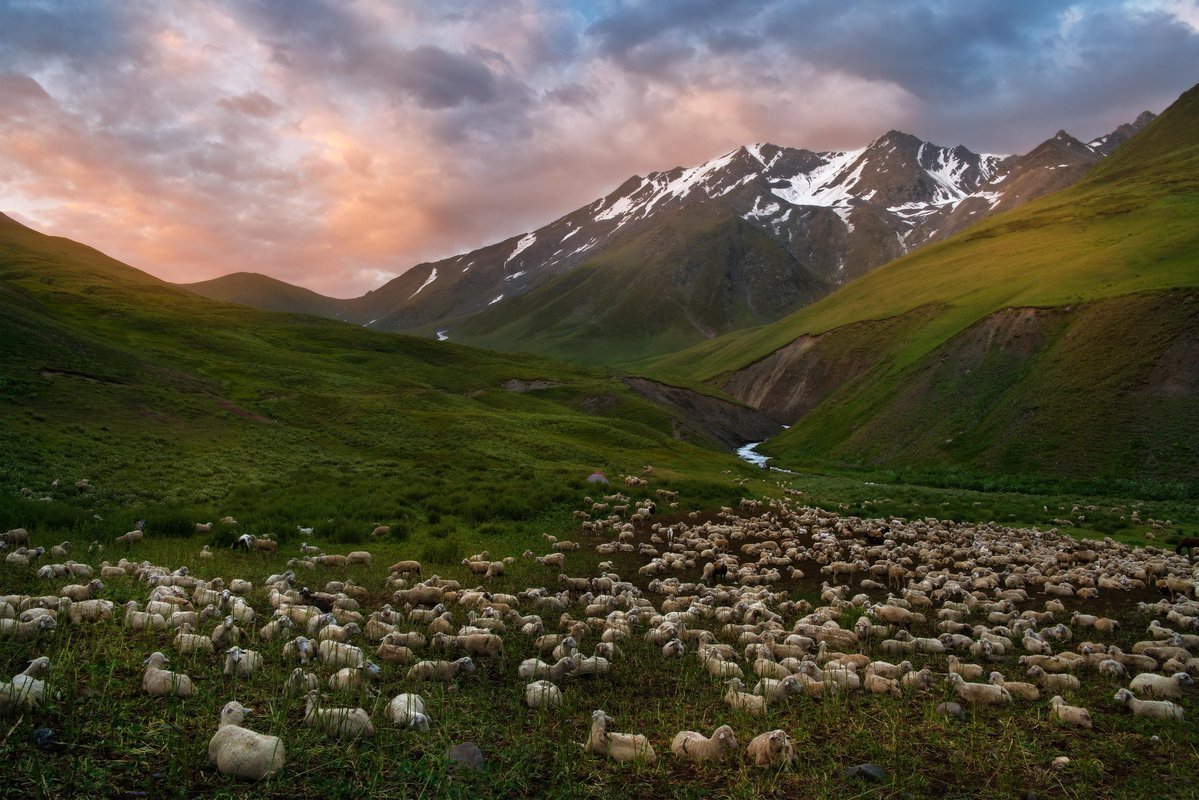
(904, 608)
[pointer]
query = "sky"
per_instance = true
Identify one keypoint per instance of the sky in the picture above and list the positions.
(334, 144)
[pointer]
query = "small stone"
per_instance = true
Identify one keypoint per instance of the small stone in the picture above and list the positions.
(1155, 739)
(43, 737)
(871, 772)
(1061, 762)
(466, 755)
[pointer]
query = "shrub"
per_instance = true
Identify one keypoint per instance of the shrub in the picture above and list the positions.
(445, 551)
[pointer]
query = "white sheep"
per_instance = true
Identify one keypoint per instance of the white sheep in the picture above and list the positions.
(22, 631)
(542, 694)
(355, 677)
(1053, 682)
(27, 687)
(336, 654)
(440, 670)
(160, 682)
(1071, 715)
(1160, 685)
(242, 663)
(301, 682)
(187, 642)
(1025, 691)
(408, 711)
(337, 722)
(617, 746)
(241, 752)
(1161, 709)
(738, 699)
(536, 668)
(979, 693)
(694, 746)
(772, 748)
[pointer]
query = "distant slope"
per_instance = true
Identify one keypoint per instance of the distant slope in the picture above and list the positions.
(1059, 338)
(266, 293)
(160, 396)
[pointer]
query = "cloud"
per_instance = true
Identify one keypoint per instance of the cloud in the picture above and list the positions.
(329, 142)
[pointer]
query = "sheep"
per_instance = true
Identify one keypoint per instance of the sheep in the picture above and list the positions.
(694, 746)
(536, 668)
(775, 690)
(1109, 666)
(241, 752)
(1053, 682)
(481, 645)
(720, 668)
(90, 611)
(27, 687)
(920, 681)
(1071, 715)
(970, 672)
(1161, 709)
(340, 723)
(23, 631)
(979, 693)
(81, 591)
(301, 682)
(1025, 691)
(673, 649)
(877, 684)
(440, 670)
(589, 667)
(1160, 685)
(542, 694)
(272, 628)
(408, 711)
(738, 699)
(355, 678)
(187, 642)
(242, 663)
(128, 538)
(405, 568)
(225, 633)
(160, 682)
(617, 746)
(336, 654)
(299, 648)
(772, 748)
(358, 557)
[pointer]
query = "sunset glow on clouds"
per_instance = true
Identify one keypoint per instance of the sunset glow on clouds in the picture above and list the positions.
(336, 144)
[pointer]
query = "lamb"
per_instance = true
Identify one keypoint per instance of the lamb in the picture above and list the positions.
(536, 668)
(90, 611)
(979, 693)
(187, 642)
(1071, 715)
(1053, 682)
(408, 711)
(274, 627)
(1160, 685)
(1025, 691)
(81, 591)
(694, 746)
(405, 568)
(481, 645)
(355, 678)
(160, 682)
(27, 687)
(738, 699)
(242, 663)
(241, 752)
(23, 631)
(776, 690)
(1109, 666)
(617, 746)
(877, 684)
(341, 723)
(336, 654)
(225, 633)
(772, 748)
(542, 694)
(440, 670)
(589, 667)
(1161, 709)
(300, 681)
(299, 648)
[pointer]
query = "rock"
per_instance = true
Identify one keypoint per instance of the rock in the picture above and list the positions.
(1061, 762)
(872, 772)
(951, 709)
(466, 755)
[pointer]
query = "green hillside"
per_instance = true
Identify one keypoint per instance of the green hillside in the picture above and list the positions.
(267, 294)
(1115, 254)
(173, 404)
(683, 281)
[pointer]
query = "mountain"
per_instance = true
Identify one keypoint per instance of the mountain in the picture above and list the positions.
(1060, 338)
(266, 293)
(169, 400)
(684, 255)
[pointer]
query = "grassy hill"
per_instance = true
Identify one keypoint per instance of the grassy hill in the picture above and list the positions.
(1106, 384)
(267, 294)
(183, 408)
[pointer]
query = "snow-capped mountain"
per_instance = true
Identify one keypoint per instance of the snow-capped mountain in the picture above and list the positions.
(786, 225)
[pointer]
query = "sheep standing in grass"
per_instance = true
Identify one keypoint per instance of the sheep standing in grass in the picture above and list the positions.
(341, 723)
(617, 746)
(408, 711)
(772, 748)
(542, 694)
(241, 752)
(1161, 709)
(694, 746)
(160, 682)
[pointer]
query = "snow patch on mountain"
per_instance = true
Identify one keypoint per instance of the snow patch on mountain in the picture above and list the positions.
(432, 277)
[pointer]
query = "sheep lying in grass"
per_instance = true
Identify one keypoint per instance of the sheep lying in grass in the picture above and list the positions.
(542, 694)
(1160, 709)
(27, 688)
(1025, 691)
(1053, 681)
(23, 631)
(979, 693)
(336, 654)
(738, 699)
(355, 678)
(408, 711)
(1071, 715)
(301, 682)
(1160, 685)
(536, 668)
(440, 670)
(241, 752)
(160, 682)
(617, 746)
(694, 746)
(242, 663)
(777, 690)
(772, 748)
(187, 642)
(341, 723)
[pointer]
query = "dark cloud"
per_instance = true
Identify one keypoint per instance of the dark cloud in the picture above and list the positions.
(255, 104)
